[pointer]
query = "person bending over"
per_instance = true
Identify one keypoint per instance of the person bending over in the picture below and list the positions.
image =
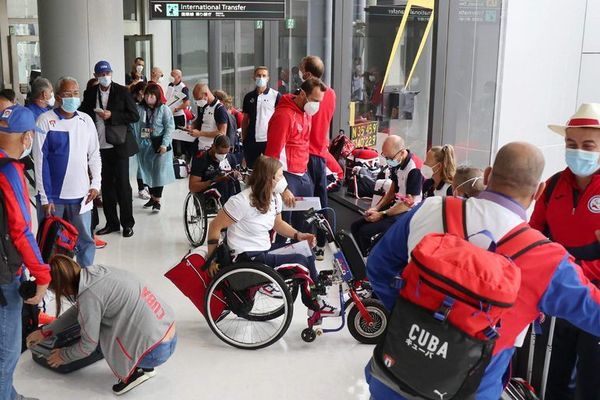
(249, 216)
(134, 328)
(214, 169)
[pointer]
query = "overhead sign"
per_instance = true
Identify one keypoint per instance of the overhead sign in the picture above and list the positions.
(219, 10)
(415, 14)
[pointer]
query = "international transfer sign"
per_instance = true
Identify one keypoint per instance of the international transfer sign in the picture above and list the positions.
(218, 10)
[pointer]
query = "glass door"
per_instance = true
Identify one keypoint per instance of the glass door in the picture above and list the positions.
(139, 46)
(25, 61)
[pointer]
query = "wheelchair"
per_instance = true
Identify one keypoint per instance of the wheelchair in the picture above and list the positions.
(197, 209)
(245, 317)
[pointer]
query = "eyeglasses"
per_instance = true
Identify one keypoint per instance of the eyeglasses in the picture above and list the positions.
(395, 155)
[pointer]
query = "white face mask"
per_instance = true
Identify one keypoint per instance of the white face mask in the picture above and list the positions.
(26, 150)
(311, 108)
(201, 103)
(139, 68)
(301, 75)
(51, 100)
(280, 186)
(161, 79)
(171, 79)
(105, 80)
(220, 157)
(371, 78)
(426, 171)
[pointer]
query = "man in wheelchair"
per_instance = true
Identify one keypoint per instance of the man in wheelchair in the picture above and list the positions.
(214, 170)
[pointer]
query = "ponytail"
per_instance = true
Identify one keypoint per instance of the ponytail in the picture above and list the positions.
(444, 155)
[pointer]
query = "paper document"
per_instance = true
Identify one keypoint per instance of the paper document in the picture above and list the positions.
(304, 203)
(294, 248)
(86, 207)
(175, 100)
(179, 134)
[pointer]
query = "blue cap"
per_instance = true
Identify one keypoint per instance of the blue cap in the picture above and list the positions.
(17, 119)
(102, 66)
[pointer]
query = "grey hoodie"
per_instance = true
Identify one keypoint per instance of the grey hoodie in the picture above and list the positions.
(117, 311)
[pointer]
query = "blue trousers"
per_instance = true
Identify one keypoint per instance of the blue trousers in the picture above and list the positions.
(86, 246)
(317, 170)
(10, 338)
(159, 355)
(300, 186)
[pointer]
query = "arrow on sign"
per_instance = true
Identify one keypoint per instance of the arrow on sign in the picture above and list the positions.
(158, 8)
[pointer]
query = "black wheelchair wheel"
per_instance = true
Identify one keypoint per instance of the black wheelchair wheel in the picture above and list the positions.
(360, 329)
(294, 288)
(195, 220)
(239, 286)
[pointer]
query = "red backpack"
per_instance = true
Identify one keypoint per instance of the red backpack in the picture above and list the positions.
(191, 277)
(56, 236)
(452, 296)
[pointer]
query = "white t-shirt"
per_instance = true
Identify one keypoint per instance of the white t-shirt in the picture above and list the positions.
(100, 122)
(251, 229)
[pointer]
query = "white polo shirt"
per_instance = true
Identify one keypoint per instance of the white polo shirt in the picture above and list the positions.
(260, 108)
(251, 229)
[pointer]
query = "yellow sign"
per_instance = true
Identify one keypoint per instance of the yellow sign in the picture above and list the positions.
(428, 4)
(364, 134)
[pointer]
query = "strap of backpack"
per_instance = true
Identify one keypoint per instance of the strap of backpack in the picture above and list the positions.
(521, 240)
(550, 187)
(454, 216)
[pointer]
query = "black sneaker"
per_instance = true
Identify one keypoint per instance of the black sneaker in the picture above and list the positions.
(137, 378)
(320, 253)
(156, 207)
(149, 204)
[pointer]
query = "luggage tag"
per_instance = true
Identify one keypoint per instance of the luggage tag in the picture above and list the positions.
(146, 133)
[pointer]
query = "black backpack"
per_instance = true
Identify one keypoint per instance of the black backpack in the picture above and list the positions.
(10, 258)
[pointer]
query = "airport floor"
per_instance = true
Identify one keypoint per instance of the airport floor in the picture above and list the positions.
(203, 367)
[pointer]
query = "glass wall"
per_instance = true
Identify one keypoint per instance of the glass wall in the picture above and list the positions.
(397, 108)
(241, 51)
(190, 50)
(23, 28)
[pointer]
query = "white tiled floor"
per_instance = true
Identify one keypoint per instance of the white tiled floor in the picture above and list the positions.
(203, 367)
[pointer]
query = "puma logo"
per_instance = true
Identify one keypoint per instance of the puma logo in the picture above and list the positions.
(442, 395)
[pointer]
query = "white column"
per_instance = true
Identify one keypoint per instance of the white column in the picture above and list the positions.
(75, 34)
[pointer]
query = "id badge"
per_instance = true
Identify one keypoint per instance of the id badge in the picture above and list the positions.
(146, 133)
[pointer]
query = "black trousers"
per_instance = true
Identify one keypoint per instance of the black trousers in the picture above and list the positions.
(253, 150)
(157, 191)
(317, 170)
(363, 231)
(116, 190)
(573, 347)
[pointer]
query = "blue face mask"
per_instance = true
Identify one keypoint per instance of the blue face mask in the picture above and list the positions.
(70, 104)
(261, 82)
(392, 163)
(581, 162)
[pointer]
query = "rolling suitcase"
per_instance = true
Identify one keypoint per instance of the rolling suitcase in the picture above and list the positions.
(521, 389)
(66, 338)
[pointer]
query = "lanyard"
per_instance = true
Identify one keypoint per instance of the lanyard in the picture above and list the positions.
(150, 113)
(100, 105)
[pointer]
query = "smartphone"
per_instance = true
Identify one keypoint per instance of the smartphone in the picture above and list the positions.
(98, 110)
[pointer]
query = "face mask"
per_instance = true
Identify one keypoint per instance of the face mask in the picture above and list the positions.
(220, 157)
(139, 68)
(261, 82)
(201, 103)
(427, 171)
(171, 79)
(51, 100)
(151, 100)
(581, 162)
(105, 80)
(26, 150)
(311, 108)
(161, 79)
(280, 186)
(301, 75)
(371, 78)
(71, 104)
(392, 163)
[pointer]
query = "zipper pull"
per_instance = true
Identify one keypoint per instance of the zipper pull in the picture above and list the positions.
(573, 212)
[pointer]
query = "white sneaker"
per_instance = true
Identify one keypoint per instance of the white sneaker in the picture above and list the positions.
(326, 309)
(271, 291)
(144, 194)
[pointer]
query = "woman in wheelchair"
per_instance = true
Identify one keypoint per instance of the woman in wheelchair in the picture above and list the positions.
(215, 169)
(250, 216)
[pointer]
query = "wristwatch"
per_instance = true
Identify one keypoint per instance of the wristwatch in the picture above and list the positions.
(384, 213)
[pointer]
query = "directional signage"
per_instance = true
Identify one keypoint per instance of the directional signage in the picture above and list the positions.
(212, 9)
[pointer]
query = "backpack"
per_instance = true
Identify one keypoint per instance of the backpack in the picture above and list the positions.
(452, 296)
(232, 133)
(341, 146)
(362, 183)
(362, 157)
(56, 236)
(10, 258)
(180, 167)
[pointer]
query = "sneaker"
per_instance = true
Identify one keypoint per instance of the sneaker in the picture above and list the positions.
(325, 309)
(100, 244)
(149, 204)
(144, 194)
(271, 291)
(156, 206)
(137, 378)
(320, 253)
(21, 397)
